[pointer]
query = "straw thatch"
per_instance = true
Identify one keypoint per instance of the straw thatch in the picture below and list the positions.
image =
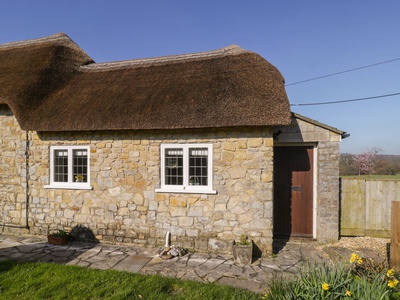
(52, 85)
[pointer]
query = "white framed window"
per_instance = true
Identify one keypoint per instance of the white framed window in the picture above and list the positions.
(69, 167)
(186, 168)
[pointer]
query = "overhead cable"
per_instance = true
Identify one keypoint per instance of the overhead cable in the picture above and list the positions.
(338, 73)
(344, 101)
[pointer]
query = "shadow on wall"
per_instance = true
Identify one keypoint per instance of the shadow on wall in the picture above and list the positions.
(83, 234)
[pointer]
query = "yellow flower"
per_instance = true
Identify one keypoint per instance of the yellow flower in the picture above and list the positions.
(393, 283)
(348, 293)
(355, 258)
(390, 272)
(325, 286)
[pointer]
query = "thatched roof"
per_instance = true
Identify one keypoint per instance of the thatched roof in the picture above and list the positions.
(52, 85)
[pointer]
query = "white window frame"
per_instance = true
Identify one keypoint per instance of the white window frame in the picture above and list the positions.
(71, 184)
(185, 187)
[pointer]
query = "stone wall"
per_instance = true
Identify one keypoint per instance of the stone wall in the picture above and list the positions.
(12, 172)
(327, 142)
(125, 171)
(123, 206)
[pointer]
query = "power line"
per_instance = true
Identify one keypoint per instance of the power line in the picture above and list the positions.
(344, 101)
(342, 72)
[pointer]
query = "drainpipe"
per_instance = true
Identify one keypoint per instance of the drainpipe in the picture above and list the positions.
(27, 180)
(26, 187)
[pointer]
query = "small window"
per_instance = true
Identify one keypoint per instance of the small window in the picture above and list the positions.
(186, 168)
(69, 167)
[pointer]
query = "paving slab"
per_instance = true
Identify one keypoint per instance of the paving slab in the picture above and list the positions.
(203, 267)
(132, 263)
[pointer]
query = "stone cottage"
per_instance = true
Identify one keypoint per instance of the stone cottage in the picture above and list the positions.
(130, 150)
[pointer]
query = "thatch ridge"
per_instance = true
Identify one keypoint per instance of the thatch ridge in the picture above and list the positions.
(51, 85)
(229, 50)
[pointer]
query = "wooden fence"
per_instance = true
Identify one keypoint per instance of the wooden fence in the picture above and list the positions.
(366, 206)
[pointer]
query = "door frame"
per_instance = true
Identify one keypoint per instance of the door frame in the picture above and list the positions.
(315, 178)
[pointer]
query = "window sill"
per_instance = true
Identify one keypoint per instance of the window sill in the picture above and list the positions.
(186, 191)
(69, 187)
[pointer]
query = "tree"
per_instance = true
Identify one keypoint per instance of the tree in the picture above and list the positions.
(365, 162)
(346, 166)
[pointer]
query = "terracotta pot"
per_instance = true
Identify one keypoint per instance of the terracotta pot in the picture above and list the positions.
(57, 240)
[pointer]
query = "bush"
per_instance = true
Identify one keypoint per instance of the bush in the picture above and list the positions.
(363, 279)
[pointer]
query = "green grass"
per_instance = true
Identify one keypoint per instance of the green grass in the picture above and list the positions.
(362, 280)
(52, 281)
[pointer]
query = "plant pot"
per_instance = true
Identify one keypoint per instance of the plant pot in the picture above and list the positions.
(243, 254)
(57, 240)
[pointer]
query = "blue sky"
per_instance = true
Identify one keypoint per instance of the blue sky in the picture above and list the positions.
(303, 39)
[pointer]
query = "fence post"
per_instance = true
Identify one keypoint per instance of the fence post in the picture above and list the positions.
(395, 235)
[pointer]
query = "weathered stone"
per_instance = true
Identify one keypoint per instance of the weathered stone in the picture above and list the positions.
(237, 172)
(125, 171)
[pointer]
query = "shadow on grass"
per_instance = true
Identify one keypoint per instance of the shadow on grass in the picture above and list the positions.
(7, 265)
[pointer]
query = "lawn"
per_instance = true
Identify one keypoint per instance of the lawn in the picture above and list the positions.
(53, 281)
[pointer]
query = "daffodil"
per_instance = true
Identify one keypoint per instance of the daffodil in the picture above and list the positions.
(348, 293)
(393, 283)
(355, 258)
(325, 286)
(390, 273)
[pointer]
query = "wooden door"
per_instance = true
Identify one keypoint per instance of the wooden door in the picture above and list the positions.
(293, 191)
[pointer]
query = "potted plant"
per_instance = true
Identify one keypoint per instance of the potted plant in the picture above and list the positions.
(58, 238)
(79, 178)
(243, 251)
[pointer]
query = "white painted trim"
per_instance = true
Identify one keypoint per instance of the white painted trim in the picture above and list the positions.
(70, 184)
(183, 191)
(315, 190)
(69, 187)
(186, 188)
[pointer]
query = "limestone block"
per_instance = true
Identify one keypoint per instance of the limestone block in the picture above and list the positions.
(192, 232)
(195, 211)
(138, 199)
(242, 145)
(227, 156)
(218, 245)
(112, 207)
(254, 142)
(178, 202)
(229, 146)
(177, 211)
(185, 221)
(241, 155)
(244, 218)
(153, 205)
(237, 172)
(69, 213)
(220, 207)
(201, 243)
(266, 176)
(81, 219)
(260, 224)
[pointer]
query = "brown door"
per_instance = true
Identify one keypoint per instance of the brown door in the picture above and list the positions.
(293, 191)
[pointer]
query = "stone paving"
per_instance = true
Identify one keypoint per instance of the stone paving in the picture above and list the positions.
(204, 267)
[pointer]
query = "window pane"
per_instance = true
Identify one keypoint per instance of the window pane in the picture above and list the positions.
(198, 166)
(80, 162)
(174, 166)
(60, 166)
